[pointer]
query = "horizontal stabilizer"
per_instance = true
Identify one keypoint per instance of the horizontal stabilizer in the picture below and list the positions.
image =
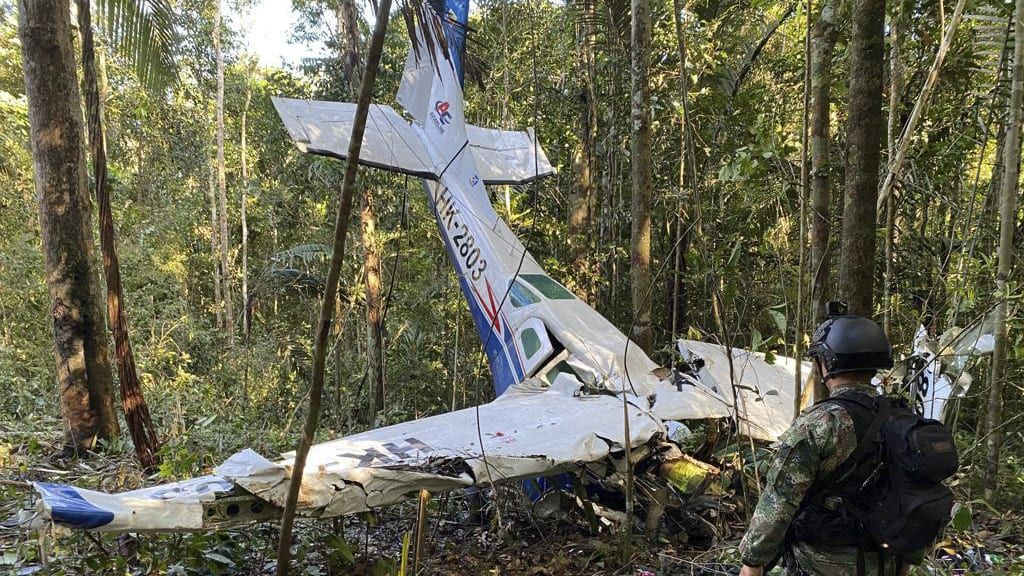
(390, 143)
(325, 128)
(505, 157)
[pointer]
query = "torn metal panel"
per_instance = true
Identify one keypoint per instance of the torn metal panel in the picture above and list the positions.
(937, 371)
(178, 506)
(524, 435)
(764, 392)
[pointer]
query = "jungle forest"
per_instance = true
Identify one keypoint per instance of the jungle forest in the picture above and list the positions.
(209, 269)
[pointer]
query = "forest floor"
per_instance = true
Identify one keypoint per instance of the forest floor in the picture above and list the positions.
(503, 536)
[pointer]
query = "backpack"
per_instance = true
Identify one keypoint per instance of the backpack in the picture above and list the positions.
(888, 495)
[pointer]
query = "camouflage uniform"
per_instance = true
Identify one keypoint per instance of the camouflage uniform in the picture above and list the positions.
(819, 441)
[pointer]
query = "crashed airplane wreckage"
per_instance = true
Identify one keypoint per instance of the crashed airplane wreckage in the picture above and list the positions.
(565, 377)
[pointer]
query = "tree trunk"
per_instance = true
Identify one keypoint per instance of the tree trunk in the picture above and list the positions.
(211, 194)
(823, 42)
(348, 44)
(995, 184)
(243, 212)
(80, 336)
(896, 162)
(863, 147)
(323, 326)
(1007, 224)
(681, 244)
(222, 185)
(640, 168)
(581, 200)
(136, 412)
(895, 92)
(805, 184)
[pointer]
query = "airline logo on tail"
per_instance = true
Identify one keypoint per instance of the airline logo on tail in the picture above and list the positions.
(443, 115)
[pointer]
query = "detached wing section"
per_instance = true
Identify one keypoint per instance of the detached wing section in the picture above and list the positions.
(531, 431)
(391, 143)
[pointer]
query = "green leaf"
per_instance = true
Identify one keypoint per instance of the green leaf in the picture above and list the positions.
(143, 32)
(962, 517)
(341, 548)
(219, 558)
(779, 318)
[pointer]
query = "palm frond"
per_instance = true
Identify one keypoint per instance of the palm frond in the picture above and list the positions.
(142, 32)
(609, 16)
(303, 254)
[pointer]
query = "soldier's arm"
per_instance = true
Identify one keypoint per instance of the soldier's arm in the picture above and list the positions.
(790, 475)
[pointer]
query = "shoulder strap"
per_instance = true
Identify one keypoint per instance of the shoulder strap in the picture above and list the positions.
(864, 441)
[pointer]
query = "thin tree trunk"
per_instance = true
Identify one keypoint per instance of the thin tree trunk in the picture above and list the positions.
(136, 412)
(581, 200)
(246, 311)
(895, 92)
(994, 187)
(640, 165)
(805, 182)
(348, 44)
(1007, 225)
(896, 163)
(211, 193)
(79, 331)
(374, 327)
(343, 214)
(222, 185)
(677, 308)
(823, 42)
(863, 146)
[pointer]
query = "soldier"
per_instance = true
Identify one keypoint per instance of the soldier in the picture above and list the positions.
(792, 522)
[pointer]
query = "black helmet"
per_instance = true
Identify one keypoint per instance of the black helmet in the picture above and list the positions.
(850, 344)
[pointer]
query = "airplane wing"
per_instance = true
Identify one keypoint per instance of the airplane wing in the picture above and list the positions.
(390, 143)
(530, 431)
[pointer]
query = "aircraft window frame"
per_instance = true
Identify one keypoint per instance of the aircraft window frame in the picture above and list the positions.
(547, 287)
(554, 366)
(521, 296)
(530, 342)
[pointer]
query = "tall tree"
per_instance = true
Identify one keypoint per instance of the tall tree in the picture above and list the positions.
(823, 42)
(863, 149)
(581, 199)
(681, 242)
(222, 185)
(1007, 226)
(80, 336)
(136, 411)
(640, 169)
(342, 215)
(348, 45)
(900, 151)
(243, 208)
(211, 196)
(895, 94)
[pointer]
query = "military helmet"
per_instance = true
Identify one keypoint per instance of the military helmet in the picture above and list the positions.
(848, 343)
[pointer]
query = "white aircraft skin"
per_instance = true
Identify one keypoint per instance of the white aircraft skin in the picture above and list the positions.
(560, 369)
